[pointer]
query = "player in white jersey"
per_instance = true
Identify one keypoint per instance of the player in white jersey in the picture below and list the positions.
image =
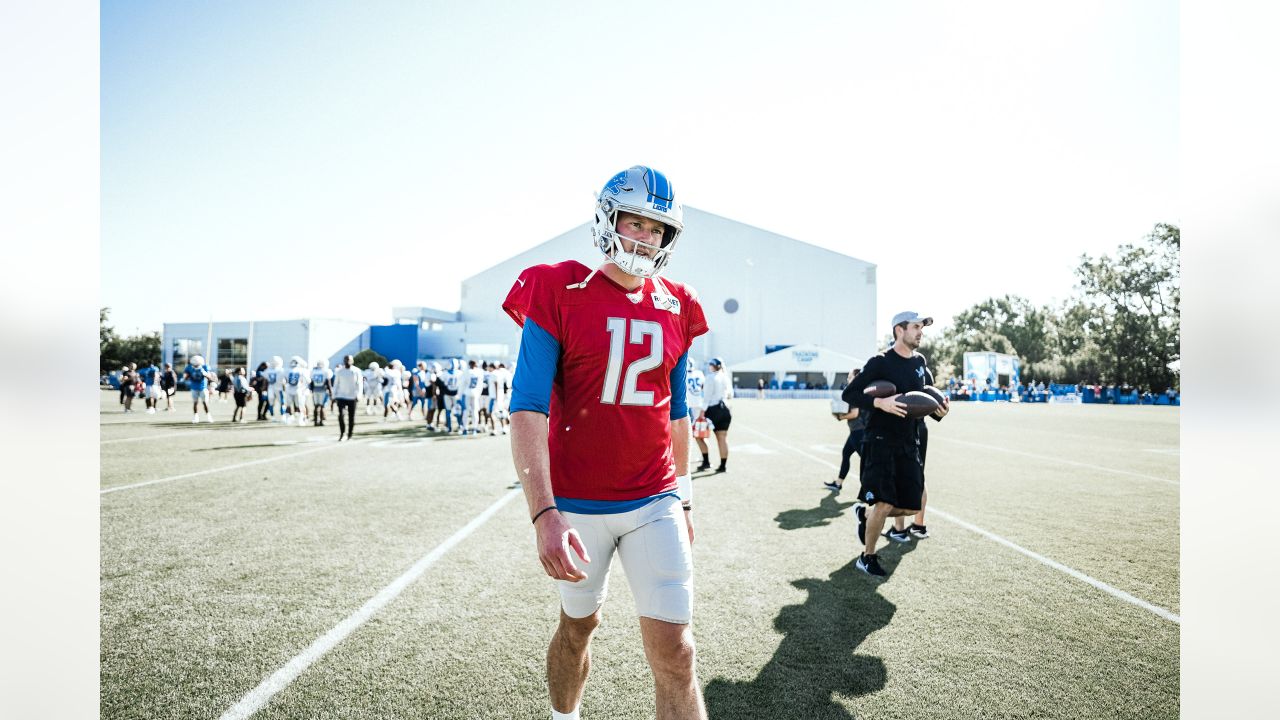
(372, 387)
(295, 387)
(452, 400)
(499, 399)
(695, 398)
(275, 386)
(391, 380)
(474, 388)
(321, 386)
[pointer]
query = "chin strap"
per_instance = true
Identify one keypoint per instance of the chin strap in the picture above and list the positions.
(583, 284)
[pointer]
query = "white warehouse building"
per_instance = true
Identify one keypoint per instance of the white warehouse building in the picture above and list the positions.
(760, 291)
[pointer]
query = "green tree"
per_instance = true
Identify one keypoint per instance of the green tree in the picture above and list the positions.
(115, 351)
(366, 356)
(1008, 324)
(1133, 307)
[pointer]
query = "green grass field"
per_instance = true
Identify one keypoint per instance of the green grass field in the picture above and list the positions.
(213, 582)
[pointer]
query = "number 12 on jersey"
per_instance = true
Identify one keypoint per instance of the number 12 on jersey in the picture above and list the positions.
(618, 337)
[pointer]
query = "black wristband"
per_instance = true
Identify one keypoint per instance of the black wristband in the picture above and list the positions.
(688, 507)
(540, 512)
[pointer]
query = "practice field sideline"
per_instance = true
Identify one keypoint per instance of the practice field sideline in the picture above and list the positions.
(267, 571)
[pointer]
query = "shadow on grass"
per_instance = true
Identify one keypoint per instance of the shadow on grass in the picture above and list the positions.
(817, 658)
(829, 509)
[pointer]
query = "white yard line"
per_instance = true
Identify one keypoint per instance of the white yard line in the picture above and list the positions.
(1110, 590)
(1050, 458)
(153, 437)
(237, 466)
(277, 681)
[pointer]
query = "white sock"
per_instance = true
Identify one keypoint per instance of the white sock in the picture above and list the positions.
(564, 716)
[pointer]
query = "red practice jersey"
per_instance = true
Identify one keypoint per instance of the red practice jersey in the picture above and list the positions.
(610, 424)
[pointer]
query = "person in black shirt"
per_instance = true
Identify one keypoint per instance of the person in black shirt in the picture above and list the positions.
(892, 468)
(857, 420)
(169, 384)
(262, 386)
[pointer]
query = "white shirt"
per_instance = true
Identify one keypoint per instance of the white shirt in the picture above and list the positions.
(718, 389)
(695, 383)
(473, 381)
(392, 380)
(346, 383)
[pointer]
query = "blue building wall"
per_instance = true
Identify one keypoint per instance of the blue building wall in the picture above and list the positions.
(395, 342)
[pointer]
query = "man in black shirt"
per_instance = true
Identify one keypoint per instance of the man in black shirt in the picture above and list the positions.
(892, 471)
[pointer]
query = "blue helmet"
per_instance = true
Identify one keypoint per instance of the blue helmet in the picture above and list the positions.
(641, 191)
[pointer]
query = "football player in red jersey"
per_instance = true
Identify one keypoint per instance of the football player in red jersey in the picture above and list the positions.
(600, 436)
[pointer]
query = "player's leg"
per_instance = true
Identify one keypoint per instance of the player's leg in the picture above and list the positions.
(918, 529)
(473, 414)
(876, 515)
(569, 655)
(569, 661)
(722, 444)
(706, 454)
(673, 660)
(658, 561)
(851, 444)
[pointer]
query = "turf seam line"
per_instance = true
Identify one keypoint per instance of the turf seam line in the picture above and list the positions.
(210, 471)
(153, 437)
(277, 681)
(1110, 590)
(1060, 460)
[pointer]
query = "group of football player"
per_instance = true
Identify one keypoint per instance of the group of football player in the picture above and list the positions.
(467, 398)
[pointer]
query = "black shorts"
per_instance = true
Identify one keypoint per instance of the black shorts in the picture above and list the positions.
(891, 472)
(719, 416)
(240, 398)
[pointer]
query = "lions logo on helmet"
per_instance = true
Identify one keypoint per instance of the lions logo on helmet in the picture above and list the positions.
(641, 191)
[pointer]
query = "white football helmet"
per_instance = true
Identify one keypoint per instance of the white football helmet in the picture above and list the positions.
(374, 365)
(323, 364)
(197, 360)
(642, 191)
(277, 362)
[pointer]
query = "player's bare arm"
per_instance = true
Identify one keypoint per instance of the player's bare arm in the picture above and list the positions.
(533, 467)
(680, 449)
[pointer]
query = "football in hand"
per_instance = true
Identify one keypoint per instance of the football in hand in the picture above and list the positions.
(918, 403)
(880, 389)
(935, 393)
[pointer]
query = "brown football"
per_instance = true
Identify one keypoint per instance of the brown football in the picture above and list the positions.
(935, 393)
(918, 403)
(880, 388)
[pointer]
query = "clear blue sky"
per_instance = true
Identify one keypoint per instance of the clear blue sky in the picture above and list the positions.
(289, 159)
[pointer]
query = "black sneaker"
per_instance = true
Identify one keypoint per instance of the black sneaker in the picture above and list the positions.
(703, 466)
(870, 565)
(860, 511)
(918, 531)
(897, 535)
(834, 487)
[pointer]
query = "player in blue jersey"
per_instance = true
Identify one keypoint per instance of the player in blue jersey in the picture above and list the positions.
(198, 376)
(150, 375)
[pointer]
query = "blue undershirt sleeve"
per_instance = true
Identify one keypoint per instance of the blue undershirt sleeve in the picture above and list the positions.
(535, 370)
(679, 388)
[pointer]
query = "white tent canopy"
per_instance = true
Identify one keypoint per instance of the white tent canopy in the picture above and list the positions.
(798, 359)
